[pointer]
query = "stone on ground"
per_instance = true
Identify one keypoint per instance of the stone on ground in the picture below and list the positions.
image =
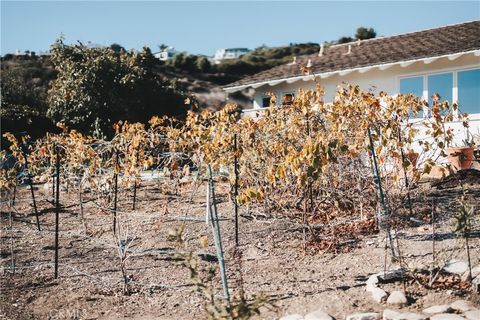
(371, 283)
(397, 298)
(389, 314)
(462, 305)
(456, 267)
(379, 295)
(446, 316)
(444, 308)
(475, 273)
(292, 317)
(364, 316)
(318, 315)
(472, 314)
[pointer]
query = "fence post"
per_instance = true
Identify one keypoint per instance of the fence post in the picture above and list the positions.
(115, 194)
(217, 238)
(378, 183)
(235, 192)
(57, 207)
(30, 183)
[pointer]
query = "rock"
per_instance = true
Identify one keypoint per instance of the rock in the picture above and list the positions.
(364, 316)
(444, 308)
(476, 284)
(318, 315)
(389, 314)
(410, 316)
(462, 305)
(456, 267)
(398, 298)
(292, 317)
(475, 273)
(371, 283)
(472, 314)
(379, 295)
(390, 275)
(446, 316)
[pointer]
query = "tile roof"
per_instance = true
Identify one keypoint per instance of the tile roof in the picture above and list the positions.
(410, 46)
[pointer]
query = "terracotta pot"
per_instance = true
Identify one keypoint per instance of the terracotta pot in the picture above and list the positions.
(460, 158)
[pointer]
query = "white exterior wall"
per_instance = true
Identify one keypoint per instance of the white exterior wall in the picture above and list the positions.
(378, 80)
(387, 80)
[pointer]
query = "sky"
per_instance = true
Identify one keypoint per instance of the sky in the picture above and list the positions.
(201, 27)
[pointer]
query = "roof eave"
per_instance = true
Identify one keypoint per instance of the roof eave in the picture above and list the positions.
(323, 75)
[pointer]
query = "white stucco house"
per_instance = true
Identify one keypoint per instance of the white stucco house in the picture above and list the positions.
(443, 60)
(165, 54)
(229, 53)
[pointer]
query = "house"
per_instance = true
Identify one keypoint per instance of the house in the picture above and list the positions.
(165, 54)
(229, 53)
(443, 60)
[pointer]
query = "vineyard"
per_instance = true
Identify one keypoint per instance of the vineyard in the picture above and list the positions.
(224, 216)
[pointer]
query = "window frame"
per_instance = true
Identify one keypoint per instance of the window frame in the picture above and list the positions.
(425, 74)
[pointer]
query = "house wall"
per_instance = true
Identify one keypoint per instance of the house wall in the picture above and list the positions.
(387, 80)
(377, 80)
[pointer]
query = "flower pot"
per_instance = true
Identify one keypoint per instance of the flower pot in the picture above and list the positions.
(460, 158)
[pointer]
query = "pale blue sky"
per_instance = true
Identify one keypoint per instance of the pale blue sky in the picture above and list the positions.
(202, 27)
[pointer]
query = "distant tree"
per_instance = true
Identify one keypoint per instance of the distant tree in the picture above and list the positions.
(117, 48)
(365, 33)
(162, 46)
(23, 103)
(98, 86)
(345, 40)
(178, 60)
(203, 65)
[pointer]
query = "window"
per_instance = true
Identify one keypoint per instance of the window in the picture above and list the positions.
(266, 102)
(412, 85)
(469, 91)
(441, 84)
(461, 86)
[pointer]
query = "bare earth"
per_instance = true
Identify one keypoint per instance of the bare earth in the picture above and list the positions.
(90, 282)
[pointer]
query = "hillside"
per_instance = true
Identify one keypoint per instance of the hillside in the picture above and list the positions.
(26, 81)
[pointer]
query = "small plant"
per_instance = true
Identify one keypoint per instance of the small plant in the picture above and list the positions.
(463, 226)
(123, 244)
(240, 308)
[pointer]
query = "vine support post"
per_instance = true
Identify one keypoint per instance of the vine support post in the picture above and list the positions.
(53, 178)
(14, 192)
(30, 183)
(383, 215)
(235, 188)
(134, 193)
(405, 174)
(216, 235)
(57, 206)
(115, 193)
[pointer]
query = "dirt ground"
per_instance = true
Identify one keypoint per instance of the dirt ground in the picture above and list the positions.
(90, 282)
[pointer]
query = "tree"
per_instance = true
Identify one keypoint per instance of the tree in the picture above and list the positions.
(365, 33)
(203, 65)
(345, 40)
(97, 87)
(117, 48)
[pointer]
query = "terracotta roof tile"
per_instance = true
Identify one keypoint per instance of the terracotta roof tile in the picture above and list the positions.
(416, 45)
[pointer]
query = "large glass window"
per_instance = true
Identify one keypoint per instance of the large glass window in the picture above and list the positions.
(469, 91)
(412, 85)
(441, 84)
